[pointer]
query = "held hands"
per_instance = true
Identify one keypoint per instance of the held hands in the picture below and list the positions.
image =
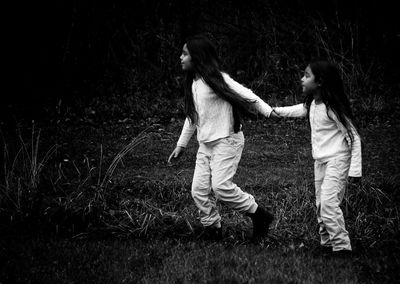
(178, 151)
(274, 114)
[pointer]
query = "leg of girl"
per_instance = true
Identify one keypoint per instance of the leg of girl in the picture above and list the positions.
(330, 185)
(226, 156)
(201, 187)
(202, 193)
(224, 160)
(319, 170)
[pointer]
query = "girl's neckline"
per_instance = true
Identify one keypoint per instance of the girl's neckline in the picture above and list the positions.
(320, 102)
(198, 80)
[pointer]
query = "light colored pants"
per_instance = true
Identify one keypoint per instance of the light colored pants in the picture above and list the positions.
(330, 186)
(216, 165)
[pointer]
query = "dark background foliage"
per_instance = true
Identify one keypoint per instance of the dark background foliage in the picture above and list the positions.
(126, 53)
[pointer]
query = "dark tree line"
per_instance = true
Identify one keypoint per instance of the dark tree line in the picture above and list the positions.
(73, 50)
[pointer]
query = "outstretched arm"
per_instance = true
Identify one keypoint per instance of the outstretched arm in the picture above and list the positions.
(261, 106)
(298, 110)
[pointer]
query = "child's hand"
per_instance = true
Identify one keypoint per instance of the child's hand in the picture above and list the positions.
(275, 115)
(176, 153)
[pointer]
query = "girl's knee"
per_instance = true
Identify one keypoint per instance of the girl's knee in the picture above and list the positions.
(227, 193)
(221, 183)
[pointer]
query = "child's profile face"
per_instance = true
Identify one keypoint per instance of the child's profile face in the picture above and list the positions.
(186, 59)
(308, 81)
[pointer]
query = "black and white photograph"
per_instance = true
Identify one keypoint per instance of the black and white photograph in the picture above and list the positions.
(183, 141)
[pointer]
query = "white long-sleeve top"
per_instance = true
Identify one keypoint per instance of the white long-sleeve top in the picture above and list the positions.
(215, 116)
(329, 138)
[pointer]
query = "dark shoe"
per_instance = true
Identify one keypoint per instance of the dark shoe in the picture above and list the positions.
(261, 220)
(211, 233)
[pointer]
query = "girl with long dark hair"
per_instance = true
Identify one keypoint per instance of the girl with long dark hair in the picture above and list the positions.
(214, 105)
(336, 148)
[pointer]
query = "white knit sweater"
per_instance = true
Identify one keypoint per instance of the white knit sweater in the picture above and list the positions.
(329, 138)
(215, 117)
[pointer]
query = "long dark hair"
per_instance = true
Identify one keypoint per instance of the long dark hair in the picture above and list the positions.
(332, 93)
(205, 64)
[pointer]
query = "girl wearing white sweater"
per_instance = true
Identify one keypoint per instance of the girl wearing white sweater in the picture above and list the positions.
(336, 148)
(214, 103)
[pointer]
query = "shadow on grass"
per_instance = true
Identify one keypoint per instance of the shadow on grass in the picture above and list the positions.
(106, 259)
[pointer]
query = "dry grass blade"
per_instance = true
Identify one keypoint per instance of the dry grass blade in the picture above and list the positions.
(32, 165)
(143, 136)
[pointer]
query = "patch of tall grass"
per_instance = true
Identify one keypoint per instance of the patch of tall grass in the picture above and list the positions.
(22, 175)
(36, 183)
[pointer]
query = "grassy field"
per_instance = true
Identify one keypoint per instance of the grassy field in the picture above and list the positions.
(105, 207)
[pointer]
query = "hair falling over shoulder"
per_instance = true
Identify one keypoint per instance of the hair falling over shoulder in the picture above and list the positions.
(190, 109)
(205, 64)
(333, 95)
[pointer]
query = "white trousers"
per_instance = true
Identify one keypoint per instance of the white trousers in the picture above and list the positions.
(330, 186)
(216, 165)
